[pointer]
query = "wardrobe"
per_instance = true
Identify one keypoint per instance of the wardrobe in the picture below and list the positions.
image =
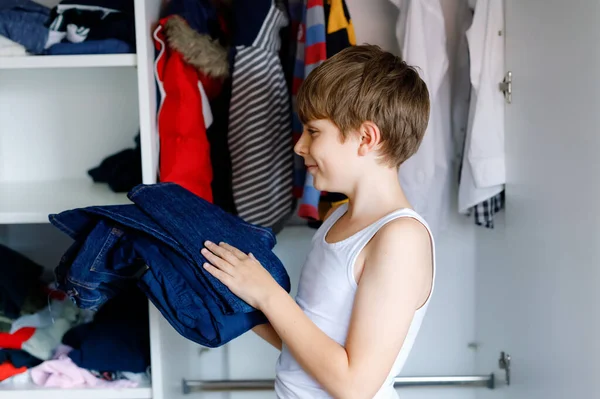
(528, 287)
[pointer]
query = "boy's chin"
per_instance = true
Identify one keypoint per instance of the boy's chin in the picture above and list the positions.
(320, 186)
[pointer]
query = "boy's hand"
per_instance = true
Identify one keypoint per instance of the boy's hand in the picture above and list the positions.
(241, 273)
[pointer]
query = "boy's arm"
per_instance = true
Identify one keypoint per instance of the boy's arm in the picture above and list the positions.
(266, 332)
(396, 274)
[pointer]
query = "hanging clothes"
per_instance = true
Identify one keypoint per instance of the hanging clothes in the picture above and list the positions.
(485, 211)
(297, 79)
(483, 164)
(259, 138)
(326, 29)
(312, 51)
(340, 31)
(288, 34)
(461, 98)
(190, 68)
(339, 35)
(426, 176)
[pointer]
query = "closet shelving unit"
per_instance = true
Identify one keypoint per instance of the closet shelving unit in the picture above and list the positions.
(32, 202)
(88, 393)
(69, 61)
(48, 141)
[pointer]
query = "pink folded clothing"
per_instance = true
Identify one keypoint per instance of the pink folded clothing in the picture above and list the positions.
(63, 373)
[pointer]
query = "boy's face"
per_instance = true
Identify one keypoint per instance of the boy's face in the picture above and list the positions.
(328, 158)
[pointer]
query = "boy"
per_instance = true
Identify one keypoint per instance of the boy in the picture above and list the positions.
(367, 280)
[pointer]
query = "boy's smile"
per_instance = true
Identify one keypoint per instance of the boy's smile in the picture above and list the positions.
(325, 154)
(311, 168)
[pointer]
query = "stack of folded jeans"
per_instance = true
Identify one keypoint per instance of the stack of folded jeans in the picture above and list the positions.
(156, 241)
(23, 22)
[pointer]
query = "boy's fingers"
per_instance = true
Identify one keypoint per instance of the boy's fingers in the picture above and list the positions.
(239, 254)
(221, 252)
(219, 274)
(217, 261)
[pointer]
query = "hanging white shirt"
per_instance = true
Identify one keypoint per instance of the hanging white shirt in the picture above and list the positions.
(426, 176)
(483, 169)
(461, 81)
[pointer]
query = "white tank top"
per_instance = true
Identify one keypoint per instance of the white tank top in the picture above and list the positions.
(326, 295)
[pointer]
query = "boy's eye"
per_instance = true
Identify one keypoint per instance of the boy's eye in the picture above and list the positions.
(312, 131)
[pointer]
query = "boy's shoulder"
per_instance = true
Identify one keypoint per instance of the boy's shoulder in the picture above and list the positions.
(402, 238)
(406, 229)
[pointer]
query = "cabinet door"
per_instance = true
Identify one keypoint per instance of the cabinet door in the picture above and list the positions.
(538, 273)
(147, 13)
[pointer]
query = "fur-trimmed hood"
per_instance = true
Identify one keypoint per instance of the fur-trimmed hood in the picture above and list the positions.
(199, 50)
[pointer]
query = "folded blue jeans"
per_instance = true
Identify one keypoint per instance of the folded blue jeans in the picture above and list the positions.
(157, 241)
(23, 22)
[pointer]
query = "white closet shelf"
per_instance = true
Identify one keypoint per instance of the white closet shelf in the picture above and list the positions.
(68, 61)
(32, 202)
(21, 392)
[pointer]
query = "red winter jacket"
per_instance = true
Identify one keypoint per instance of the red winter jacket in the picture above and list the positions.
(184, 114)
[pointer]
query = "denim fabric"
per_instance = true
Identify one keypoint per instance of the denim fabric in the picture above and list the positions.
(22, 21)
(163, 232)
(106, 46)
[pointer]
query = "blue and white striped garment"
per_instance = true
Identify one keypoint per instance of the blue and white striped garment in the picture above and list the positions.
(260, 138)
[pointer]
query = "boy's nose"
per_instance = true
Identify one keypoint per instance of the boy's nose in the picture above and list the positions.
(301, 147)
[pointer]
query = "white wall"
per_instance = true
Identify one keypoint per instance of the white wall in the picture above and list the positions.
(81, 116)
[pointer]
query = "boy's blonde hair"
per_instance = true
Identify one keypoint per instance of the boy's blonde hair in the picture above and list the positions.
(364, 83)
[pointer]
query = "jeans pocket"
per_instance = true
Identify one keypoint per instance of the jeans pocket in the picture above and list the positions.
(98, 268)
(116, 259)
(84, 295)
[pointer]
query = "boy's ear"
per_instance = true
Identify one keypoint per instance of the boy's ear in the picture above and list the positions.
(369, 136)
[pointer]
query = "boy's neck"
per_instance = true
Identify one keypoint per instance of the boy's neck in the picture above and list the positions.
(376, 195)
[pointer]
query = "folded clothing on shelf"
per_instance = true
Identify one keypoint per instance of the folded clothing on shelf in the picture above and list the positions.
(9, 48)
(107, 46)
(39, 342)
(117, 339)
(121, 171)
(8, 370)
(79, 21)
(62, 372)
(19, 285)
(18, 358)
(23, 22)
